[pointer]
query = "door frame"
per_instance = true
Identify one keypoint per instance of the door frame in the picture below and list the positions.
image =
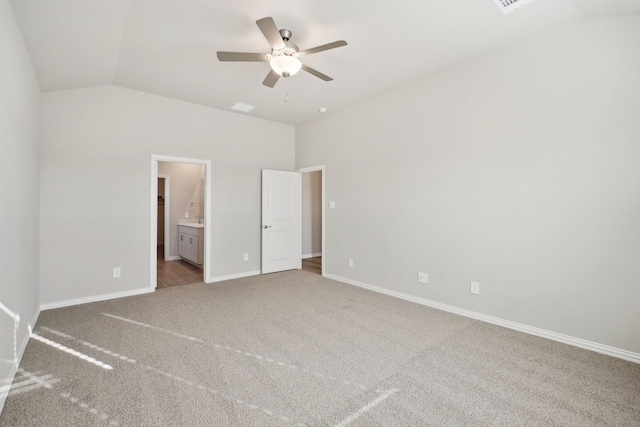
(322, 170)
(153, 215)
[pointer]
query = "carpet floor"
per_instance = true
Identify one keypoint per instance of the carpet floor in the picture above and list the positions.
(295, 348)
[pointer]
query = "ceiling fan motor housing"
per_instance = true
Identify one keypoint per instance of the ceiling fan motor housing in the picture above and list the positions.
(285, 34)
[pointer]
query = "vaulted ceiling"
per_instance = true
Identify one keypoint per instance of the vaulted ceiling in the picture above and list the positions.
(168, 47)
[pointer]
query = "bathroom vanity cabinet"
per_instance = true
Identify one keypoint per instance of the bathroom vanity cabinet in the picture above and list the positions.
(191, 243)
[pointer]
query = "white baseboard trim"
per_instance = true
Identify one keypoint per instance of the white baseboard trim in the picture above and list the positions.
(233, 276)
(33, 326)
(173, 258)
(565, 339)
(313, 255)
(103, 297)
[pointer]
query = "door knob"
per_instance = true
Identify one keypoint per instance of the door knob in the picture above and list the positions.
(266, 226)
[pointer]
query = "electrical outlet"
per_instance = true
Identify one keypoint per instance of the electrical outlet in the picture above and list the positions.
(246, 257)
(116, 272)
(186, 214)
(350, 262)
(423, 277)
(332, 204)
(475, 288)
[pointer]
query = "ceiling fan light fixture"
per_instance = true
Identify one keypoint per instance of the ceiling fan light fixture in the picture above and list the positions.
(285, 65)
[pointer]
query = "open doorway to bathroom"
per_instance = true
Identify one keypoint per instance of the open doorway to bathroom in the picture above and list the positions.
(313, 219)
(180, 221)
(180, 251)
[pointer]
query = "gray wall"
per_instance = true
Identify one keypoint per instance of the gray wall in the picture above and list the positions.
(96, 184)
(19, 179)
(518, 170)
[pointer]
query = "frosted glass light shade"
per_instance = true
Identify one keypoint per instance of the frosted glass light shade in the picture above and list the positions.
(285, 65)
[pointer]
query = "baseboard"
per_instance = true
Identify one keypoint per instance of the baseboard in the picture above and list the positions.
(233, 276)
(173, 258)
(103, 297)
(565, 339)
(313, 255)
(32, 327)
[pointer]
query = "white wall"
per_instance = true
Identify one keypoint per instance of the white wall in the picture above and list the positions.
(519, 170)
(186, 182)
(96, 158)
(19, 178)
(312, 213)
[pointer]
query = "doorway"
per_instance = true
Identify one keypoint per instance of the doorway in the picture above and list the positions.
(313, 226)
(186, 202)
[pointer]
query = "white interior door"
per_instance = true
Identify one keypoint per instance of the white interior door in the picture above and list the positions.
(281, 221)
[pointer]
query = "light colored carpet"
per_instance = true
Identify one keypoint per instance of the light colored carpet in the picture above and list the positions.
(294, 348)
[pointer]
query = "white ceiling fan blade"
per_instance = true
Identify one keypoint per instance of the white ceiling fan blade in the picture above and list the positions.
(316, 73)
(270, 31)
(242, 56)
(323, 47)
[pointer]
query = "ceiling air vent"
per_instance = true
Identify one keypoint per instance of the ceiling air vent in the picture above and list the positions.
(241, 106)
(507, 6)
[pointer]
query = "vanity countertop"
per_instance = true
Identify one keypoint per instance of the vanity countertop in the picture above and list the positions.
(191, 224)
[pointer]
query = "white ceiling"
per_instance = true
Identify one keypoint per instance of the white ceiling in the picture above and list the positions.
(168, 47)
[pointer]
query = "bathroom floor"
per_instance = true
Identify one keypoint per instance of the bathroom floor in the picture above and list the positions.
(176, 273)
(313, 265)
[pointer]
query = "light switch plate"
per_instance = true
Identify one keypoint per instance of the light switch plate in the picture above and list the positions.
(332, 204)
(475, 288)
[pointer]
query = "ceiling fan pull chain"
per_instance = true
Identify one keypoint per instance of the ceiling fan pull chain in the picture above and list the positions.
(286, 90)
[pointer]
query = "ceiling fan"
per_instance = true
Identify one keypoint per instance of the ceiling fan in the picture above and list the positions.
(284, 57)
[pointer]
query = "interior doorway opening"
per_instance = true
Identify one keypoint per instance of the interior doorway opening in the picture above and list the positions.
(180, 233)
(313, 224)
